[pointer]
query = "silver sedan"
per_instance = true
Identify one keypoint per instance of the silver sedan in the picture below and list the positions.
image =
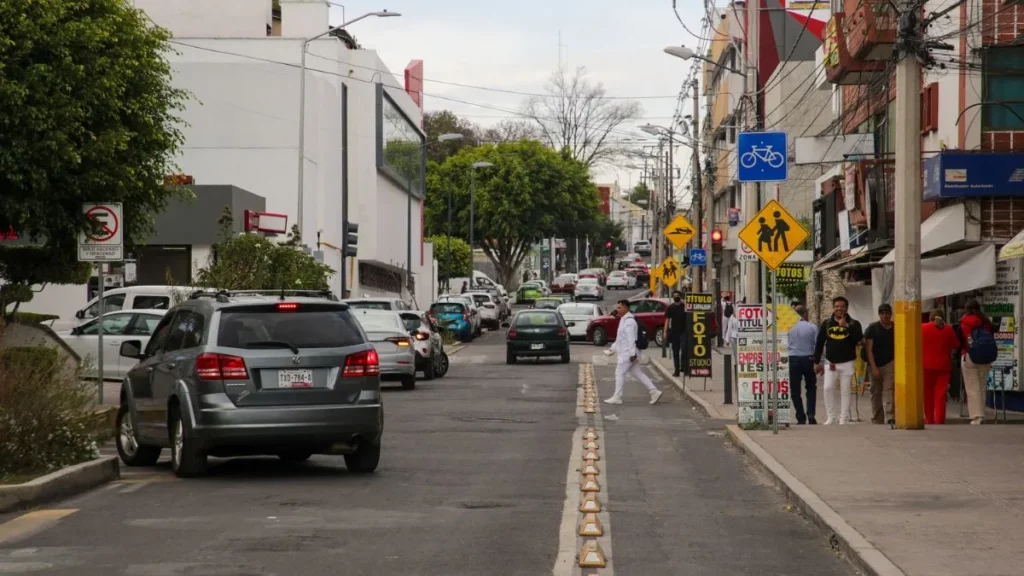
(393, 344)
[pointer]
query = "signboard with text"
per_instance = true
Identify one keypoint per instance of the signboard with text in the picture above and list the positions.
(751, 359)
(1000, 305)
(104, 242)
(699, 307)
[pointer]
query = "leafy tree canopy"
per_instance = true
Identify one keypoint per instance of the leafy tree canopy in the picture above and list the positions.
(531, 192)
(458, 263)
(638, 193)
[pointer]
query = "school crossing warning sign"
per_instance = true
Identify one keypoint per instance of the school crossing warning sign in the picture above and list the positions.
(773, 234)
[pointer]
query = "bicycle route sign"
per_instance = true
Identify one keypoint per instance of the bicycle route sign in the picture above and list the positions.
(773, 234)
(762, 157)
(679, 231)
(104, 242)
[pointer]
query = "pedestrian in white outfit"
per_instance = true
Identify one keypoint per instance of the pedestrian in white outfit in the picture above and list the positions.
(834, 354)
(628, 356)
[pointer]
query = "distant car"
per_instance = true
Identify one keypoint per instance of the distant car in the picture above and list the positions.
(564, 283)
(649, 313)
(589, 288)
(598, 273)
(117, 327)
(226, 375)
(536, 333)
(549, 303)
(620, 280)
(453, 315)
(580, 314)
(431, 358)
(393, 344)
(529, 292)
(475, 317)
(489, 311)
(642, 274)
(633, 257)
(544, 287)
(642, 248)
(395, 304)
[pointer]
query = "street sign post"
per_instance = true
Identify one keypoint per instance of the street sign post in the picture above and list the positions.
(773, 234)
(679, 231)
(762, 157)
(698, 257)
(669, 271)
(103, 242)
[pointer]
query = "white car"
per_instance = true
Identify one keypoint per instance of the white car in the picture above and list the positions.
(588, 288)
(619, 280)
(395, 304)
(430, 356)
(474, 312)
(117, 327)
(642, 247)
(581, 314)
(490, 310)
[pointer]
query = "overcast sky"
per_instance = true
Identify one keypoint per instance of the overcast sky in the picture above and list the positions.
(514, 45)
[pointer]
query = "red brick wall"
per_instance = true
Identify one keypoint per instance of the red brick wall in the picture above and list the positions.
(606, 194)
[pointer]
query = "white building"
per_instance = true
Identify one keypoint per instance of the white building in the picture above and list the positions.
(632, 218)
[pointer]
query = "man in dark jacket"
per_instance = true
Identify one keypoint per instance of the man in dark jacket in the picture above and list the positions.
(674, 332)
(834, 355)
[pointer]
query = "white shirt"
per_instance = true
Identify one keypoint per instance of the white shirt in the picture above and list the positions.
(625, 340)
(732, 328)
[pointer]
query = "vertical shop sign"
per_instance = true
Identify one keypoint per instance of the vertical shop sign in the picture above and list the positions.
(750, 363)
(1000, 305)
(699, 308)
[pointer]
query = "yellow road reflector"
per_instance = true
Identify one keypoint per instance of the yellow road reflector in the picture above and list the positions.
(590, 484)
(591, 555)
(590, 445)
(591, 455)
(590, 503)
(591, 526)
(590, 434)
(591, 468)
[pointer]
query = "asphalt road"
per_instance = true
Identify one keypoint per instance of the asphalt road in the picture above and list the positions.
(473, 481)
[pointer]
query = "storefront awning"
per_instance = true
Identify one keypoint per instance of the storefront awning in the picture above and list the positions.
(1013, 249)
(830, 264)
(959, 272)
(946, 226)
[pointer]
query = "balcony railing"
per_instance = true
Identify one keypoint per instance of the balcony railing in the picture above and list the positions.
(840, 66)
(871, 30)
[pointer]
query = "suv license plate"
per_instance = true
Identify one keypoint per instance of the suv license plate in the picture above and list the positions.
(536, 346)
(295, 379)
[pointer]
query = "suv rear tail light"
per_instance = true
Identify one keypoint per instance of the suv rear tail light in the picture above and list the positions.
(561, 331)
(465, 316)
(399, 341)
(365, 363)
(221, 367)
(512, 333)
(287, 306)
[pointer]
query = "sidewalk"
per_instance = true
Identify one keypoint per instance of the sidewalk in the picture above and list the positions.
(945, 500)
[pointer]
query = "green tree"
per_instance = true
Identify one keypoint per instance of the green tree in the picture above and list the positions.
(88, 115)
(455, 266)
(638, 193)
(603, 231)
(446, 122)
(531, 192)
(254, 262)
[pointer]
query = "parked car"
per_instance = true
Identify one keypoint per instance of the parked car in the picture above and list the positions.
(544, 287)
(649, 313)
(580, 314)
(564, 283)
(489, 311)
(536, 333)
(642, 273)
(589, 288)
(529, 292)
(548, 303)
(599, 273)
(431, 358)
(633, 257)
(620, 280)
(227, 375)
(128, 298)
(395, 304)
(116, 328)
(453, 315)
(474, 312)
(394, 345)
(642, 248)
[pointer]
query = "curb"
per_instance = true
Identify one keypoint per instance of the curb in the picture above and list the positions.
(455, 349)
(699, 403)
(864, 556)
(65, 482)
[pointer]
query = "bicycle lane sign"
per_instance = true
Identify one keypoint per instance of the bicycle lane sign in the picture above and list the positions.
(762, 157)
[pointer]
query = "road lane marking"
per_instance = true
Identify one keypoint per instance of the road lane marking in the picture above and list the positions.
(31, 523)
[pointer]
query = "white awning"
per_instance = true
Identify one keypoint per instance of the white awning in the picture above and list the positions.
(1013, 249)
(946, 226)
(959, 272)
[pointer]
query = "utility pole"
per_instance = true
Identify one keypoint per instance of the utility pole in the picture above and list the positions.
(698, 272)
(909, 397)
(751, 198)
(656, 221)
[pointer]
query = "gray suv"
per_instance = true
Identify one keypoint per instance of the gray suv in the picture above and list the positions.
(233, 374)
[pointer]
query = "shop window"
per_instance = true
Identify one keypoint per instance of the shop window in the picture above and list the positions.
(1004, 82)
(930, 108)
(400, 150)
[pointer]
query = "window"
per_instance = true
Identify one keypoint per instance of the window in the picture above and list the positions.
(369, 305)
(447, 308)
(374, 322)
(156, 343)
(412, 321)
(186, 331)
(536, 319)
(111, 303)
(1004, 82)
(144, 325)
(111, 325)
(311, 326)
(930, 108)
(400, 151)
(152, 303)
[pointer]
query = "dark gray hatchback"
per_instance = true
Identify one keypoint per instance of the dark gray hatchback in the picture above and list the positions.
(243, 374)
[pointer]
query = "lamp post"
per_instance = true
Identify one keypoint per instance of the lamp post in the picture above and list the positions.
(472, 191)
(688, 54)
(302, 102)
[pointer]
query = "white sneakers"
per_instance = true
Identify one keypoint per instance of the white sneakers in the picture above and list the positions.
(655, 396)
(613, 400)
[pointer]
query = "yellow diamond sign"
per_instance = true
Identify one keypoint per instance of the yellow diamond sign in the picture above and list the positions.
(670, 271)
(773, 234)
(679, 231)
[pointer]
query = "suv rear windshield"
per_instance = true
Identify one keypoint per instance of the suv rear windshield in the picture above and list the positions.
(370, 305)
(481, 299)
(447, 308)
(536, 319)
(308, 326)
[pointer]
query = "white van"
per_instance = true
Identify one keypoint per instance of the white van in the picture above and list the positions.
(130, 298)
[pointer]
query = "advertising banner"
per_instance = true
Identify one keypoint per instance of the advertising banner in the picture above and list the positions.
(699, 308)
(751, 359)
(1000, 302)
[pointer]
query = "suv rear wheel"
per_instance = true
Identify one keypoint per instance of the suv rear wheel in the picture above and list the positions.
(187, 459)
(128, 448)
(365, 460)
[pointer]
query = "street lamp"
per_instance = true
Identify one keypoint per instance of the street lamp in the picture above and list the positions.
(688, 54)
(302, 100)
(472, 220)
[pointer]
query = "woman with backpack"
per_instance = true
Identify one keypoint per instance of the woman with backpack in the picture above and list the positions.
(979, 350)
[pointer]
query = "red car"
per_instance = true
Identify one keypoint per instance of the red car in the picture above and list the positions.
(566, 283)
(649, 313)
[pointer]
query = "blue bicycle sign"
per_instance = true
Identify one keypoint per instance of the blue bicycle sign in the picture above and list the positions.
(762, 157)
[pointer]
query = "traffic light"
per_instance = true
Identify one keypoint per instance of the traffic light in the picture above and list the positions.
(716, 239)
(608, 244)
(350, 238)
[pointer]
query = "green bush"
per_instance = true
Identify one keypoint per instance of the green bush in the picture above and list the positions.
(33, 318)
(46, 417)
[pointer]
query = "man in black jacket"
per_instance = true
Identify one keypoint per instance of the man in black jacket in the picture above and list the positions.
(834, 355)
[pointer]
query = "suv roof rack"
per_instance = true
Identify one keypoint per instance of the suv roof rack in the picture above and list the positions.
(223, 296)
(220, 295)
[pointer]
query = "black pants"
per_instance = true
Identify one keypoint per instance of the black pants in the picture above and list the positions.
(803, 369)
(678, 351)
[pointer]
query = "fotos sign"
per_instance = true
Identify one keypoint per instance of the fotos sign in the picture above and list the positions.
(699, 308)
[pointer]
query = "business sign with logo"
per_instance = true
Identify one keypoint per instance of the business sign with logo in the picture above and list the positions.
(955, 174)
(699, 307)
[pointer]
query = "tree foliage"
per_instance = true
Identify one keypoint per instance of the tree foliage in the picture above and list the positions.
(458, 264)
(576, 115)
(255, 262)
(531, 192)
(640, 192)
(446, 122)
(88, 115)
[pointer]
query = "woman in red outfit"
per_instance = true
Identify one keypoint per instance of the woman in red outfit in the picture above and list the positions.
(938, 342)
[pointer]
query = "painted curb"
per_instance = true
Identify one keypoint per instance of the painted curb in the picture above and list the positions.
(62, 483)
(858, 550)
(454, 349)
(699, 403)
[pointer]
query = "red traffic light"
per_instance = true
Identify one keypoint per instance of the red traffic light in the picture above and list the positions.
(608, 244)
(716, 235)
